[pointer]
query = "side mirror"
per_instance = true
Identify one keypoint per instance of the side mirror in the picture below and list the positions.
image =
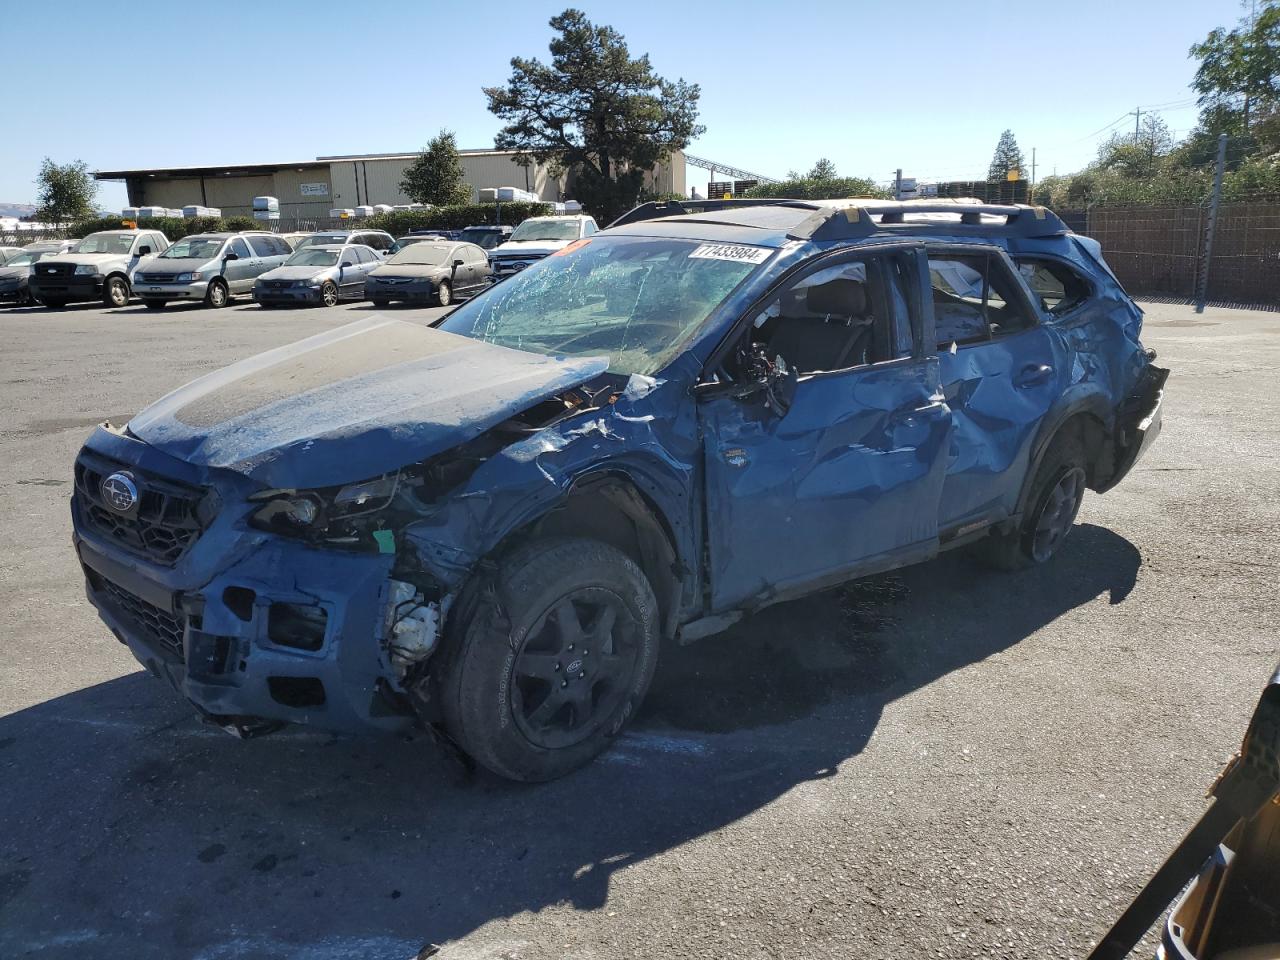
(231, 256)
(144, 250)
(457, 264)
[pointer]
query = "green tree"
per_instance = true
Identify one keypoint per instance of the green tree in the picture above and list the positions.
(64, 192)
(1137, 155)
(436, 175)
(822, 182)
(1007, 157)
(595, 111)
(824, 169)
(1240, 67)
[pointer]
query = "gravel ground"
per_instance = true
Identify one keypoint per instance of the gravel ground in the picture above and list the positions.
(941, 761)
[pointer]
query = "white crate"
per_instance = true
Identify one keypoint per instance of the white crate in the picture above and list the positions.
(266, 203)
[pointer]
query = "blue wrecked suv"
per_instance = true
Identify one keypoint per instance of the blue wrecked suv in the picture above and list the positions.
(490, 527)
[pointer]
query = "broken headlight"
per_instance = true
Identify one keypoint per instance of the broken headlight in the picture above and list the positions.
(336, 514)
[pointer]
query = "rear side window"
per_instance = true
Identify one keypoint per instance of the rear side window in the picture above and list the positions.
(975, 298)
(375, 240)
(1058, 288)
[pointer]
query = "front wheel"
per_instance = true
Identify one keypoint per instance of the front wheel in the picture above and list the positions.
(444, 295)
(217, 296)
(329, 294)
(1052, 505)
(115, 293)
(553, 656)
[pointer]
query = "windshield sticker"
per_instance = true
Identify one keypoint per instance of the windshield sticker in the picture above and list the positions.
(731, 251)
(576, 245)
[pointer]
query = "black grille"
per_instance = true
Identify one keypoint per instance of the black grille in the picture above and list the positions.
(277, 284)
(55, 269)
(157, 277)
(167, 519)
(162, 628)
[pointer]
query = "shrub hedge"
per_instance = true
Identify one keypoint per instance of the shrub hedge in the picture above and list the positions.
(397, 223)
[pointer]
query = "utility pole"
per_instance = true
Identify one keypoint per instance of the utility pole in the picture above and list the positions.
(1033, 170)
(1137, 115)
(897, 184)
(1203, 292)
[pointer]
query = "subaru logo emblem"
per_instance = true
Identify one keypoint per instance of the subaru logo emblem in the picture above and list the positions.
(120, 492)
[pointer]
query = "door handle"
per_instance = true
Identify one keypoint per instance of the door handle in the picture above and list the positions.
(1033, 374)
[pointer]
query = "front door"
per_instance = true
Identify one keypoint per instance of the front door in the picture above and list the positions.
(240, 273)
(847, 479)
(1001, 370)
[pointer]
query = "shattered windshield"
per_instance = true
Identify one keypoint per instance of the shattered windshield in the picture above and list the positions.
(635, 299)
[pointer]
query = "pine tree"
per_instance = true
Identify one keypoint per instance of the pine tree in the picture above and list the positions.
(1007, 157)
(436, 175)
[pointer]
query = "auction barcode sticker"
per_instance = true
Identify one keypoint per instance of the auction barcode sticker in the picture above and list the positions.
(731, 251)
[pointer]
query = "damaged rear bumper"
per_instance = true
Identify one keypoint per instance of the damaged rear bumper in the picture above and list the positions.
(1138, 424)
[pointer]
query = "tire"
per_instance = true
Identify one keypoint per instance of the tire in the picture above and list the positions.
(525, 645)
(217, 296)
(53, 303)
(329, 294)
(1052, 505)
(443, 294)
(153, 304)
(115, 292)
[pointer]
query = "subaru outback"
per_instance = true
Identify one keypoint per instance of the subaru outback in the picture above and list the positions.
(490, 527)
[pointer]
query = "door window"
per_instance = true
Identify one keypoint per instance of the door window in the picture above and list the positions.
(263, 246)
(844, 315)
(240, 248)
(1057, 287)
(975, 298)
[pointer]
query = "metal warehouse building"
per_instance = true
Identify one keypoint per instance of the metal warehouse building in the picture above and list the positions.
(311, 188)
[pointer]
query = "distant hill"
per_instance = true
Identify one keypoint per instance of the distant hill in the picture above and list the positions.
(16, 209)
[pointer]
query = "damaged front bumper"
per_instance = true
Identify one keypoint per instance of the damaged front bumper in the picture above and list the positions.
(253, 628)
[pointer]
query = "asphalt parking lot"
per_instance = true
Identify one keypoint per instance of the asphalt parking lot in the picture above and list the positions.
(941, 761)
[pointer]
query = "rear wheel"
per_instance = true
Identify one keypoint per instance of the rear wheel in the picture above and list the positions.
(554, 655)
(444, 295)
(1052, 506)
(217, 296)
(153, 304)
(329, 294)
(115, 292)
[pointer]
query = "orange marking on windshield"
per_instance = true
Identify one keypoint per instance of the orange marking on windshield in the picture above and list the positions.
(576, 245)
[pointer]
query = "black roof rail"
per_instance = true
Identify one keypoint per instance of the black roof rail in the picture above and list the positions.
(859, 218)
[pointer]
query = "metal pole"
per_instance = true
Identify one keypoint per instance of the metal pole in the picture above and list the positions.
(897, 184)
(1203, 293)
(1033, 174)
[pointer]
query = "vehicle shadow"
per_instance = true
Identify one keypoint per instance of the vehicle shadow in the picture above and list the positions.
(128, 829)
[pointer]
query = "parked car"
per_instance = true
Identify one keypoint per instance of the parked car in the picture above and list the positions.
(317, 275)
(402, 242)
(210, 268)
(294, 240)
(101, 268)
(536, 238)
(14, 277)
(486, 237)
(47, 247)
(379, 241)
(8, 253)
(429, 272)
(492, 525)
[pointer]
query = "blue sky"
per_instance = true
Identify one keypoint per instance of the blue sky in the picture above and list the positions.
(927, 86)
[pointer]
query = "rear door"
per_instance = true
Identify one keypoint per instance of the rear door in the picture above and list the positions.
(267, 254)
(1001, 371)
(848, 479)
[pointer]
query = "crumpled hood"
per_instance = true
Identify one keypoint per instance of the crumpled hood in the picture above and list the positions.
(296, 273)
(531, 248)
(352, 403)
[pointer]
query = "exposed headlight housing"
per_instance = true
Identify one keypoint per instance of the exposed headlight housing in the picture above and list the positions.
(86, 270)
(324, 514)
